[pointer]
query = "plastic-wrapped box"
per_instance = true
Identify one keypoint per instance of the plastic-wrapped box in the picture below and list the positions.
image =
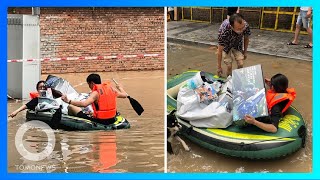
(249, 97)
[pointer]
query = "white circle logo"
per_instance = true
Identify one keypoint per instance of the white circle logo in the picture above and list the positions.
(35, 156)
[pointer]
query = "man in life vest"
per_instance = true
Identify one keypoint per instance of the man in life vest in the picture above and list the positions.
(41, 87)
(279, 98)
(103, 99)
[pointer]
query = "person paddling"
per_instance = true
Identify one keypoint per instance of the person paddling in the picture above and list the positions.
(103, 99)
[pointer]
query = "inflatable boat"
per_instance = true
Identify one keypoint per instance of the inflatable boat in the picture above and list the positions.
(72, 123)
(53, 111)
(245, 142)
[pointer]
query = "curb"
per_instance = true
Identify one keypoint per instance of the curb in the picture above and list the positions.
(208, 43)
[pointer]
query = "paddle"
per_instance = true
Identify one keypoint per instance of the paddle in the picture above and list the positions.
(134, 103)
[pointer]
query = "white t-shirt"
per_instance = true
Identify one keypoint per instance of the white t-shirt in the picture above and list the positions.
(170, 8)
(304, 8)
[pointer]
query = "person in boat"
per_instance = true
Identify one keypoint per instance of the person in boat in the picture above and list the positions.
(279, 98)
(34, 99)
(103, 99)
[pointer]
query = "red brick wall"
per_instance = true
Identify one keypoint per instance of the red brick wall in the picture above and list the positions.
(125, 64)
(74, 32)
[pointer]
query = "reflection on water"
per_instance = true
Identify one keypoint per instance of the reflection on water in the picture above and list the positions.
(183, 58)
(139, 149)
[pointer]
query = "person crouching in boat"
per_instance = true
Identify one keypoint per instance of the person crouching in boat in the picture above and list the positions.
(279, 98)
(34, 99)
(103, 99)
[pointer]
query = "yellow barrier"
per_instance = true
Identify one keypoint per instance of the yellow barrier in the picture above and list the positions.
(191, 14)
(262, 20)
(277, 13)
(188, 13)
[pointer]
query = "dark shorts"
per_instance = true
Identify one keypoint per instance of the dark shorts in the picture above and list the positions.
(101, 121)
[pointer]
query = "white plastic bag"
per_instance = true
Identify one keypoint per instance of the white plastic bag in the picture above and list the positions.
(45, 104)
(216, 114)
(65, 87)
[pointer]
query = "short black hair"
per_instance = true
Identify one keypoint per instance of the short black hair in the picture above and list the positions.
(38, 84)
(235, 18)
(94, 78)
(280, 83)
(232, 10)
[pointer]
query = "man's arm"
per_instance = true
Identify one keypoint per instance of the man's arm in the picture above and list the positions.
(219, 54)
(120, 91)
(93, 96)
(223, 41)
(309, 12)
(238, 10)
(246, 34)
(246, 44)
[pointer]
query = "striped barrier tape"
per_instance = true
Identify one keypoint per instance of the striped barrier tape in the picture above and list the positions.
(85, 58)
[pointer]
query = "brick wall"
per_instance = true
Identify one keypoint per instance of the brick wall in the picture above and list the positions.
(74, 32)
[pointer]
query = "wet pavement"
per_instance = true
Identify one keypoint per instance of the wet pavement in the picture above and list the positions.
(261, 41)
(138, 149)
(186, 57)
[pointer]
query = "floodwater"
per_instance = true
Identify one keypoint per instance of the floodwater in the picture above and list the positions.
(138, 149)
(187, 57)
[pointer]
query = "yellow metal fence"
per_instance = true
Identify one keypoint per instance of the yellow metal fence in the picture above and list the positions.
(281, 19)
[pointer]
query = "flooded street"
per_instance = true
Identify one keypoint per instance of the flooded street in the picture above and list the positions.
(138, 149)
(187, 57)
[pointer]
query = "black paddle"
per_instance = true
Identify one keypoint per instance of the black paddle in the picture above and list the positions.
(134, 103)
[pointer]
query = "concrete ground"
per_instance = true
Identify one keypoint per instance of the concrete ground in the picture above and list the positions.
(261, 41)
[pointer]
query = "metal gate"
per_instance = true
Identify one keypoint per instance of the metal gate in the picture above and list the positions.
(278, 18)
(192, 14)
(218, 14)
(281, 19)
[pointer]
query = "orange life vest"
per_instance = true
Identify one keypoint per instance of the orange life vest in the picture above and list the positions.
(107, 101)
(274, 98)
(34, 94)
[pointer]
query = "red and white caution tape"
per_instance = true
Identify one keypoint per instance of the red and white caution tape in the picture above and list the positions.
(85, 58)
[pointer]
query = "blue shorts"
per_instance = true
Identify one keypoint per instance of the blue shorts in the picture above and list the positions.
(303, 20)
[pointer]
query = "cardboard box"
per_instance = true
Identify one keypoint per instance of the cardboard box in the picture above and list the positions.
(249, 94)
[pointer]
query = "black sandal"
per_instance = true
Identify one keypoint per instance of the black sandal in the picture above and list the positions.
(291, 43)
(307, 46)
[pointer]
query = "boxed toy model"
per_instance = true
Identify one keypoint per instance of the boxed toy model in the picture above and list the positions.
(249, 97)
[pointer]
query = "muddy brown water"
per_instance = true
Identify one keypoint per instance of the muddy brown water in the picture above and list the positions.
(183, 57)
(138, 149)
